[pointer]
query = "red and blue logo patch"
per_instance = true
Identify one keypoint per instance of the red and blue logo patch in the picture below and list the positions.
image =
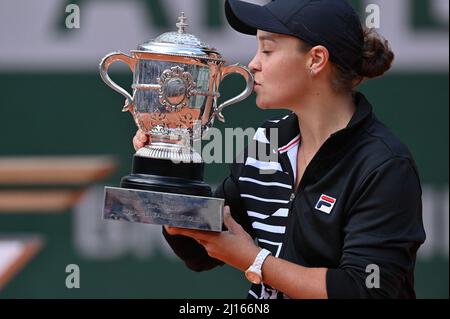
(325, 203)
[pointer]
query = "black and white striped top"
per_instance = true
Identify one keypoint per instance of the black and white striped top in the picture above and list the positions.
(266, 189)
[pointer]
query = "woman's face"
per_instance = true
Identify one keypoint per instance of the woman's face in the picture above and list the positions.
(281, 73)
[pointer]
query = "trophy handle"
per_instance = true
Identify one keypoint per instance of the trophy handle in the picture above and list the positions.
(104, 66)
(248, 76)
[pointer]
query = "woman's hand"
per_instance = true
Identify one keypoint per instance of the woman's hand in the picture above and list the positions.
(140, 140)
(234, 246)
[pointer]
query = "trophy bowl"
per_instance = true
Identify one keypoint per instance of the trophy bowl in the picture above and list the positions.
(176, 79)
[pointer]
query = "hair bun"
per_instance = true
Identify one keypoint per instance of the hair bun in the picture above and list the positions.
(377, 55)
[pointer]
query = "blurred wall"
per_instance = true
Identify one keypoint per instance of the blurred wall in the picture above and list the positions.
(53, 103)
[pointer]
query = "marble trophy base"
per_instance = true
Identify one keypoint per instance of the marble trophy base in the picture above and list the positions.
(161, 192)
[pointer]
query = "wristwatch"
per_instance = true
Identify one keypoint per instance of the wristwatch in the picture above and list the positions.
(254, 272)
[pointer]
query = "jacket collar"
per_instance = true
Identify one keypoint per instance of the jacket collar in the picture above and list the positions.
(289, 131)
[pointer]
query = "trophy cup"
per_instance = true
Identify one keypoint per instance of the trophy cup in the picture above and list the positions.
(175, 91)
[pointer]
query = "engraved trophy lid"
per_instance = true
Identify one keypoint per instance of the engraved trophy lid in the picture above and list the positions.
(180, 43)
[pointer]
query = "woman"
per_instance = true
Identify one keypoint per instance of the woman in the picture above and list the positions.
(340, 216)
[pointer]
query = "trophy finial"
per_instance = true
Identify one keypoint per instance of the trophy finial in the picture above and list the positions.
(181, 24)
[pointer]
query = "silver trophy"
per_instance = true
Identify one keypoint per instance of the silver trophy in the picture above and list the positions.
(176, 78)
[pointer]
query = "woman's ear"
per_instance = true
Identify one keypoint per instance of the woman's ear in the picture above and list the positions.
(319, 57)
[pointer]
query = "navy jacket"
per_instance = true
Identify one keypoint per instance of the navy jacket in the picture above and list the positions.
(358, 206)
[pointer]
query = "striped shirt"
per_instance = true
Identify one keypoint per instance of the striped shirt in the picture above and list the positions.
(266, 189)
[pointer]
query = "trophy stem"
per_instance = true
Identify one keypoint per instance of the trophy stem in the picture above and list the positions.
(165, 167)
(178, 154)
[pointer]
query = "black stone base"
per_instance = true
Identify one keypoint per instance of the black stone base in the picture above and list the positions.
(165, 176)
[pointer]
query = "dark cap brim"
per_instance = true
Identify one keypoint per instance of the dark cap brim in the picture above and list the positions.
(248, 18)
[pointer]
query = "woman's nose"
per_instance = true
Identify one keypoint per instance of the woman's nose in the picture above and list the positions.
(254, 64)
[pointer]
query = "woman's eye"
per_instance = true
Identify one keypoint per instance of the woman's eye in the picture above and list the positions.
(266, 52)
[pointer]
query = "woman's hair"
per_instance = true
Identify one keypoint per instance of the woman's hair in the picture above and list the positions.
(377, 58)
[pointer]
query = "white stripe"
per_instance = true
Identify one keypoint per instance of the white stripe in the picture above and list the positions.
(273, 166)
(260, 136)
(253, 294)
(251, 180)
(266, 294)
(267, 200)
(257, 215)
(283, 149)
(281, 212)
(276, 244)
(292, 154)
(277, 121)
(269, 228)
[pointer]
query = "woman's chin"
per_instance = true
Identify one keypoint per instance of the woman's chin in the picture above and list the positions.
(263, 105)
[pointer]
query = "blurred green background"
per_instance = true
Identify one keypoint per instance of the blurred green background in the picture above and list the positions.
(53, 102)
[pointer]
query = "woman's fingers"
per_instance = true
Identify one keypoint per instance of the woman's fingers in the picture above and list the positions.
(142, 136)
(140, 140)
(198, 235)
(229, 221)
(137, 144)
(176, 230)
(172, 230)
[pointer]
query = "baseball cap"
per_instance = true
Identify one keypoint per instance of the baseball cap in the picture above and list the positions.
(331, 23)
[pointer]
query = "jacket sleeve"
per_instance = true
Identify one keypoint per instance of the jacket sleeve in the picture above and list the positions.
(192, 253)
(384, 229)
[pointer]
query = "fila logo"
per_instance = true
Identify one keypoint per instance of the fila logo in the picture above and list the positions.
(325, 203)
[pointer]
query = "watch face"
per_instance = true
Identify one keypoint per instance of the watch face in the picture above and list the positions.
(253, 277)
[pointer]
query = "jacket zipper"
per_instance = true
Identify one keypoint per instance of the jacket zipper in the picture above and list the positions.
(287, 163)
(295, 193)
